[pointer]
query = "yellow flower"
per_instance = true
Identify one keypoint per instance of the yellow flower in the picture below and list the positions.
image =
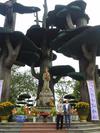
(34, 111)
(82, 107)
(6, 108)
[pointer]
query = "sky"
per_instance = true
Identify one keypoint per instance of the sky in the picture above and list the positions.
(25, 21)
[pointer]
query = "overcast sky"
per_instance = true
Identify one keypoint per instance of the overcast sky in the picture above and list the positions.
(23, 22)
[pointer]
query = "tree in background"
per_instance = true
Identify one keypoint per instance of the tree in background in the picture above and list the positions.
(64, 86)
(76, 91)
(22, 83)
(67, 86)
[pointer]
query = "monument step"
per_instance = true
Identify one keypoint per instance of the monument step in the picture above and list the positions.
(84, 130)
(92, 132)
(40, 127)
(43, 124)
(33, 131)
(47, 125)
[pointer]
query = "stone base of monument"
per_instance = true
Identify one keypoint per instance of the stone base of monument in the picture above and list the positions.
(44, 104)
(44, 119)
(44, 115)
(44, 109)
(47, 119)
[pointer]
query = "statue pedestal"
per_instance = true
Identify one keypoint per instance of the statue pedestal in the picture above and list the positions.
(45, 102)
(44, 98)
(44, 114)
(43, 109)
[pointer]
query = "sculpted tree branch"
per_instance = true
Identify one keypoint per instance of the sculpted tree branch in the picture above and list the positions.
(45, 14)
(86, 53)
(12, 53)
(36, 75)
(55, 80)
(89, 54)
(69, 22)
(10, 15)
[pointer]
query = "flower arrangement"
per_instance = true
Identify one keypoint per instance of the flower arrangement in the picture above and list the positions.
(44, 115)
(34, 111)
(6, 108)
(19, 111)
(19, 114)
(82, 107)
(51, 102)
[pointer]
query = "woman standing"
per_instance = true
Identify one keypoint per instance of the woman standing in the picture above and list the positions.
(59, 119)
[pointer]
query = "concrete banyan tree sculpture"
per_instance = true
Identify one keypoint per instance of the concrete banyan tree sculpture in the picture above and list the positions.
(66, 32)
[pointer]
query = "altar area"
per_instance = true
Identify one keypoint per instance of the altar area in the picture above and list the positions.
(45, 104)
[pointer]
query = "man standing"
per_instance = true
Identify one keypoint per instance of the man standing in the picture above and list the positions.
(59, 119)
(67, 113)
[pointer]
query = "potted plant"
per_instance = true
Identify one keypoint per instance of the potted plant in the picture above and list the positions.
(5, 110)
(34, 113)
(53, 113)
(83, 110)
(20, 115)
(44, 114)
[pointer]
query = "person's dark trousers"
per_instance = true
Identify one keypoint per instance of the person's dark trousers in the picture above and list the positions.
(59, 121)
(67, 120)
